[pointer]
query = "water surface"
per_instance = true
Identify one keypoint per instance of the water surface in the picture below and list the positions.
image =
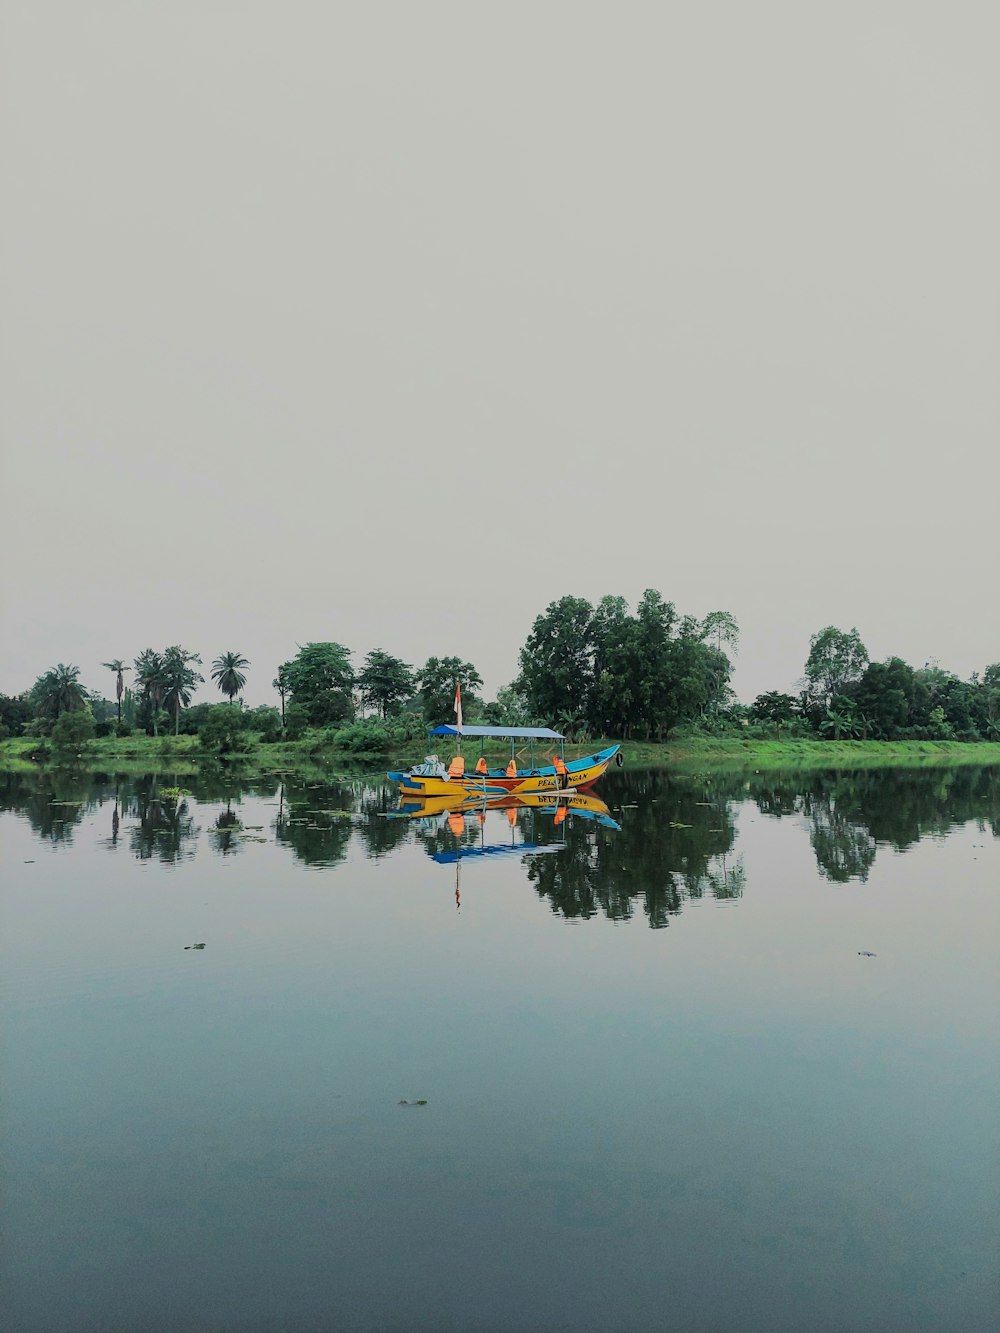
(666, 1086)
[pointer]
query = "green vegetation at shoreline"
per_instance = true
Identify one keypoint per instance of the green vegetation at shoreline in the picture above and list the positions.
(180, 754)
(654, 678)
(731, 752)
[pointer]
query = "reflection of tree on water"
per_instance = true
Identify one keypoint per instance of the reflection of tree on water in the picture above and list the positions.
(673, 845)
(378, 834)
(850, 814)
(53, 801)
(315, 819)
(164, 827)
(676, 844)
(225, 830)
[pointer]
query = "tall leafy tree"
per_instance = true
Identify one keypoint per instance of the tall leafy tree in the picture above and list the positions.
(612, 706)
(836, 661)
(119, 668)
(227, 672)
(281, 684)
(58, 691)
(657, 663)
(436, 681)
(384, 681)
(720, 627)
(321, 678)
(557, 658)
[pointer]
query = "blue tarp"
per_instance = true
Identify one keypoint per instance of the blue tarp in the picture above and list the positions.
(500, 733)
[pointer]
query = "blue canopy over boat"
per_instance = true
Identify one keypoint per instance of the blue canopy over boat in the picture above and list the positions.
(500, 733)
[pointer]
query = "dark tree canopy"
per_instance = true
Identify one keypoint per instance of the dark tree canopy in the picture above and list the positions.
(436, 681)
(384, 682)
(320, 678)
(621, 674)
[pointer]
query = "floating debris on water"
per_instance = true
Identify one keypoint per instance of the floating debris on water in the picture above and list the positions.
(194, 946)
(863, 953)
(420, 1101)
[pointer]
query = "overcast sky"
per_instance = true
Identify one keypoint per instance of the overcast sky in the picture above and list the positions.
(389, 323)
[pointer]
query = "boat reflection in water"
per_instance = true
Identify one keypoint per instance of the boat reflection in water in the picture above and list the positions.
(462, 815)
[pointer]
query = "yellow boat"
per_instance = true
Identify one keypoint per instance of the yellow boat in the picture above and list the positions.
(431, 778)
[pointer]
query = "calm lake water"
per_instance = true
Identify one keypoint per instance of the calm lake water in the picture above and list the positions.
(666, 1085)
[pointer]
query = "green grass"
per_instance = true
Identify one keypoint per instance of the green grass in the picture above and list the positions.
(732, 752)
(180, 754)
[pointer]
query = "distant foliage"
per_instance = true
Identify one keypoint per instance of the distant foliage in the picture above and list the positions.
(263, 721)
(72, 731)
(374, 736)
(222, 731)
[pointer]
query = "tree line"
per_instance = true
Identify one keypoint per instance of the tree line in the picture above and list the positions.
(589, 670)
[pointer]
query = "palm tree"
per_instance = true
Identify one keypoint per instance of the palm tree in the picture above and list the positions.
(181, 678)
(116, 664)
(151, 678)
(227, 674)
(59, 691)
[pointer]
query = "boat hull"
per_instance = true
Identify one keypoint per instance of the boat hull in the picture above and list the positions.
(580, 773)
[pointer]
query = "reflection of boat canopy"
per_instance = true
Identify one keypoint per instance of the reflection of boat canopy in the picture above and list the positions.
(496, 849)
(501, 733)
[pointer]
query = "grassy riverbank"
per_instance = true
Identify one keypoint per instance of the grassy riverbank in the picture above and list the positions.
(732, 752)
(142, 753)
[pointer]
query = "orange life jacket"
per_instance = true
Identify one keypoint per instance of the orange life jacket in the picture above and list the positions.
(512, 769)
(481, 765)
(456, 769)
(560, 766)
